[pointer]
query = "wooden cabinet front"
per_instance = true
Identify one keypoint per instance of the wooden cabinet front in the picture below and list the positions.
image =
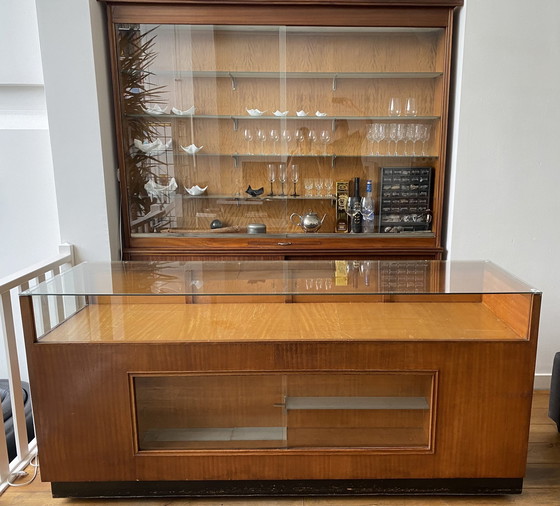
(233, 376)
(225, 123)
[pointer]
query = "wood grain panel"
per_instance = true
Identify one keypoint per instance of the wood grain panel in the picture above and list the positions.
(513, 309)
(270, 322)
(303, 15)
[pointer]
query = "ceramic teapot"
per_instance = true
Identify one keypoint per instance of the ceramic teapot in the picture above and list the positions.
(310, 222)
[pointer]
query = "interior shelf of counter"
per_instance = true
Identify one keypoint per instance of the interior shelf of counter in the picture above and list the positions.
(344, 403)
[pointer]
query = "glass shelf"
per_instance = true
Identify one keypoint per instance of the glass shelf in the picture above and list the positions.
(258, 198)
(167, 117)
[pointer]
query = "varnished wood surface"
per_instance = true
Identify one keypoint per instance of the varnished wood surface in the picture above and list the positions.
(541, 485)
(431, 96)
(255, 321)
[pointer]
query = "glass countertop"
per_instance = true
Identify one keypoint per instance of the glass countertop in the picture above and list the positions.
(273, 278)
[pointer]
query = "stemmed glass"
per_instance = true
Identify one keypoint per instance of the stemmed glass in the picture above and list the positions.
(308, 185)
(325, 137)
(426, 130)
(271, 177)
(286, 137)
(418, 133)
(318, 183)
(409, 136)
(379, 134)
(261, 136)
(248, 136)
(274, 137)
(294, 178)
(329, 185)
(312, 136)
(282, 177)
(369, 136)
(300, 137)
(392, 136)
(401, 135)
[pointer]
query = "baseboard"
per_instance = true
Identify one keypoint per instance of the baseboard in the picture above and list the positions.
(542, 381)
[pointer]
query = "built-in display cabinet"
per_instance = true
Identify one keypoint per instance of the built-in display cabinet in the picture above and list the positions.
(242, 127)
(282, 378)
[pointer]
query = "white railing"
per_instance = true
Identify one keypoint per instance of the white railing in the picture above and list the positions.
(10, 331)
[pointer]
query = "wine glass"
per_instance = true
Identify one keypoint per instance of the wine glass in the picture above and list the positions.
(312, 136)
(282, 177)
(426, 130)
(300, 137)
(274, 137)
(369, 136)
(261, 137)
(294, 177)
(248, 136)
(318, 183)
(395, 106)
(418, 133)
(409, 136)
(410, 107)
(271, 177)
(286, 138)
(329, 185)
(379, 134)
(401, 134)
(325, 137)
(308, 185)
(392, 137)
(353, 208)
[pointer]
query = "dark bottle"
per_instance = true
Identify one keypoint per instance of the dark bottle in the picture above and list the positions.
(355, 209)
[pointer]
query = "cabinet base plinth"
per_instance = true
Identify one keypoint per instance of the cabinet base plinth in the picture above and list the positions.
(289, 488)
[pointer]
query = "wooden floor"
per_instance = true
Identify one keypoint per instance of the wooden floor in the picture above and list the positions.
(541, 486)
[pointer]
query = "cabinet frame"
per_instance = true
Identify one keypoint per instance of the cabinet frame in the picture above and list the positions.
(398, 13)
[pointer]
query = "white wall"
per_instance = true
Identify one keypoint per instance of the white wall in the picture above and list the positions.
(506, 197)
(28, 212)
(78, 93)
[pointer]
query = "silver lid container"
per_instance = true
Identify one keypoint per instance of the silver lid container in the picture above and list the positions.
(256, 228)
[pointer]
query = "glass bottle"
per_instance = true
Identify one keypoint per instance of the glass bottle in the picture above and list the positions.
(368, 211)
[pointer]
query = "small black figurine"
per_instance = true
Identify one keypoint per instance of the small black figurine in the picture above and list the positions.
(254, 193)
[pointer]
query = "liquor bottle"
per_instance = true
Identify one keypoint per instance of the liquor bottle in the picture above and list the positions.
(368, 211)
(355, 208)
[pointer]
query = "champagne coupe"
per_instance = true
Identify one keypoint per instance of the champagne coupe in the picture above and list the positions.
(286, 138)
(248, 136)
(271, 177)
(294, 178)
(379, 134)
(300, 137)
(308, 185)
(274, 137)
(392, 137)
(410, 107)
(282, 177)
(395, 106)
(325, 137)
(261, 137)
(312, 136)
(318, 183)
